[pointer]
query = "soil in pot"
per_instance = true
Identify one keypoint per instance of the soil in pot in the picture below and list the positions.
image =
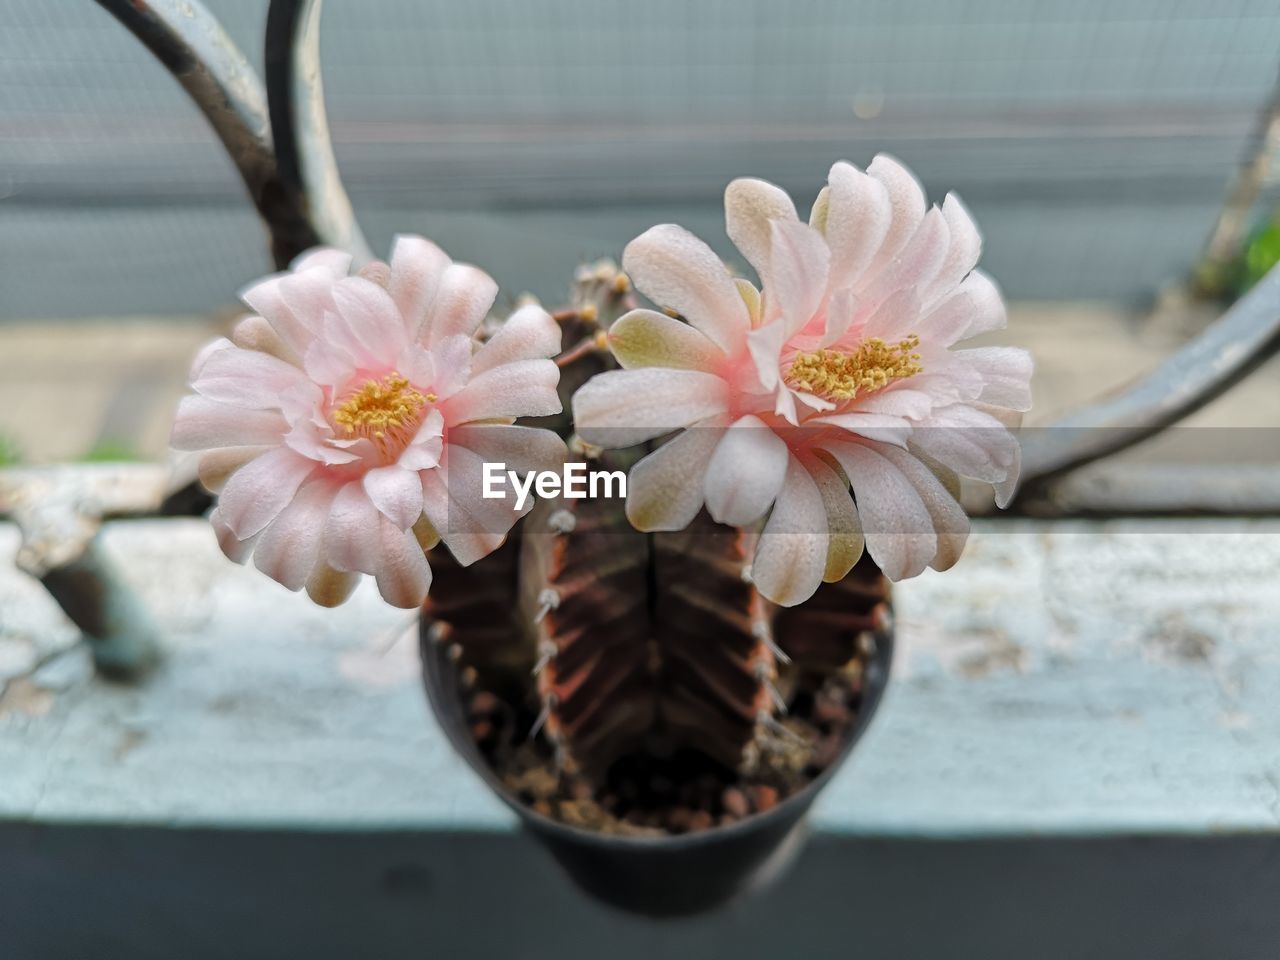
(668, 791)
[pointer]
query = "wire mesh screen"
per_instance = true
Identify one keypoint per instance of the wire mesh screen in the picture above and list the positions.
(1093, 140)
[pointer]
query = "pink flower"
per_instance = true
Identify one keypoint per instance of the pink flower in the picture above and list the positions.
(346, 421)
(840, 371)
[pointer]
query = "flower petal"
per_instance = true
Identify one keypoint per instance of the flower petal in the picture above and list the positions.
(256, 333)
(906, 200)
(528, 334)
(972, 443)
(216, 466)
(523, 449)
(950, 523)
(329, 260)
(353, 531)
(526, 388)
(846, 542)
(471, 525)
(646, 338)
(969, 305)
(665, 489)
(858, 217)
(897, 525)
(249, 379)
(416, 267)
(677, 270)
(964, 248)
(235, 549)
(749, 208)
(1007, 372)
(745, 473)
(371, 319)
(463, 300)
(329, 587)
(987, 310)
(258, 491)
(796, 282)
(202, 424)
(403, 575)
(397, 493)
(884, 427)
(290, 545)
(791, 556)
(427, 446)
(625, 407)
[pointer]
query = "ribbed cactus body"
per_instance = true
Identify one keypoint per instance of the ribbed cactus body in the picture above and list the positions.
(622, 642)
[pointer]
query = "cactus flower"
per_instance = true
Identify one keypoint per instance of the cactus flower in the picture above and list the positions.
(840, 370)
(346, 421)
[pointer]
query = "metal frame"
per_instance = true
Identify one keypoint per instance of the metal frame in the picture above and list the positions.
(277, 135)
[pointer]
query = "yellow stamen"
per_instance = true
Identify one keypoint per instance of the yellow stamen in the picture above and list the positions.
(836, 375)
(390, 405)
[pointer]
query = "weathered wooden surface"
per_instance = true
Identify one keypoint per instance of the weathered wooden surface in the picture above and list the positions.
(1079, 678)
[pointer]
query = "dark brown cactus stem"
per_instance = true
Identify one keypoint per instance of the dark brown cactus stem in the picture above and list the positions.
(622, 642)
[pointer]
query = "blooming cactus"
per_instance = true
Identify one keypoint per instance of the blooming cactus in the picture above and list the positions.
(839, 371)
(346, 422)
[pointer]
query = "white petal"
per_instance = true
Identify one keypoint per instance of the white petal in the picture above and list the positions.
(858, 218)
(625, 407)
(371, 317)
(874, 426)
(526, 388)
(917, 263)
(258, 491)
(528, 334)
(235, 549)
(791, 556)
(796, 282)
(646, 338)
(471, 525)
(397, 493)
(950, 523)
(403, 574)
(424, 452)
(461, 303)
(664, 490)
(986, 305)
(965, 246)
(329, 260)
(202, 424)
(249, 379)
(745, 473)
(906, 200)
(523, 449)
(1007, 372)
(897, 525)
(846, 542)
(289, 546)
(970, 442)
(749, 207)
(416, 267)
(675, 269)
(216, 466)
(352, 535)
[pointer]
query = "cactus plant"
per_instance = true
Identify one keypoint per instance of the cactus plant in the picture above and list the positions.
(614, 645)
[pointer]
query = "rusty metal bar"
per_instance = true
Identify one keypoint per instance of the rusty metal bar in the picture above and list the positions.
(189, 41)
(1220, 357)
(300, 126)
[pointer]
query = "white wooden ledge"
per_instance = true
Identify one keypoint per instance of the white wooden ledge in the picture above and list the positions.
(1079, 678)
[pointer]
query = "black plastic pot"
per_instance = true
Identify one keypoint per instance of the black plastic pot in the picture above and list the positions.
(671, 876)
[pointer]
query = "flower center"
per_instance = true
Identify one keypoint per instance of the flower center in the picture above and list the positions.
(837, 375)
(386, 411)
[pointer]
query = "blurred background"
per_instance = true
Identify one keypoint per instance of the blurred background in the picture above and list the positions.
(1093, 140)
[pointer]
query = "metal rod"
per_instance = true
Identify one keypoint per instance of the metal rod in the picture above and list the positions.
(300, 126)
(1220, 357)
(192, 45)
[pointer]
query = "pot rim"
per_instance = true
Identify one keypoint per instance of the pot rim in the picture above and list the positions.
(436, 668)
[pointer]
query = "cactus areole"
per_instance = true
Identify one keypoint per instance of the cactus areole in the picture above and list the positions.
(652, 547)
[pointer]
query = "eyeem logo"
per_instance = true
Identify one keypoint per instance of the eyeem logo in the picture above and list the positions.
(575, 482)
